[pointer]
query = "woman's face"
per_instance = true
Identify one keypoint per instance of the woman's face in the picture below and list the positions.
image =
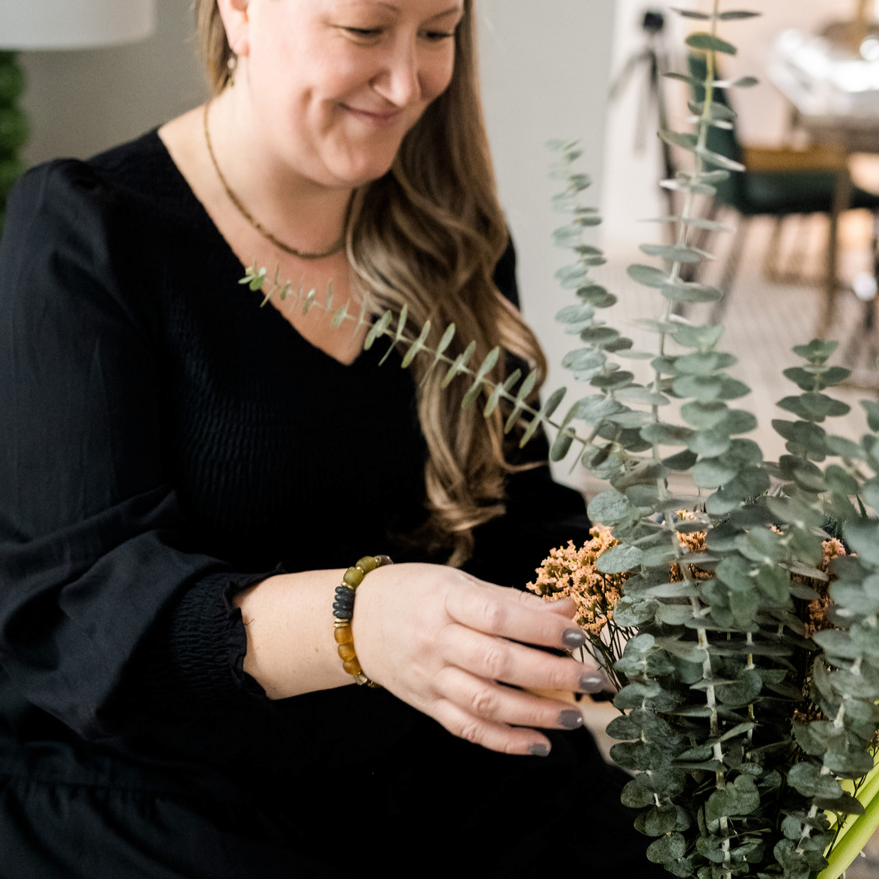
(336, 84)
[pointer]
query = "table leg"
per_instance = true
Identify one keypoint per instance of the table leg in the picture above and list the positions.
(842, 195)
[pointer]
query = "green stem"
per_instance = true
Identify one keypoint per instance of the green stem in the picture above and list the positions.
(846, 849)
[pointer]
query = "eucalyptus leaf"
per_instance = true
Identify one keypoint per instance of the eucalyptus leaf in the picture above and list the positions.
(378, 329)
(709, 43)
(487, 365)
(814, 406)
(666, 434)
(804, 474)
(732, 389)
(635, 796)
(612, 380)
(718, 159)
(618, 559)
(704, 416)
(701, 337)
(658, 821)
(600, 336)
(871, 407)
(684, 141)
(713, 472)
(691, 292)
(631, 611)
(844, 448)
(704, 362)
(683, 77)
(459, 364)
(575, 314)
(674, 253)
(803, 438)
(639, 394)
(681, 461)
(705, 389)
(739, 798)
(639, 756)
(863, 536)
(648, 276)
(596, 296)
(561, 445)
(639, 724)
(573, 276)
(817, 351)
(709, 443)
(667, 849)
(808, 779)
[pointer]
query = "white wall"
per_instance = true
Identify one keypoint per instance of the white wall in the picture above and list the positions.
(81, 102)
(545, 71)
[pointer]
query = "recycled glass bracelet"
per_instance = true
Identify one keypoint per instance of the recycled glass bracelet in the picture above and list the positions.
(343, 611)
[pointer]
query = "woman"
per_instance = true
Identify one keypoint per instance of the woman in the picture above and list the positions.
(186, 478)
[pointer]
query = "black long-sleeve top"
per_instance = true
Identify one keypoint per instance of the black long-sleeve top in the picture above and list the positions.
(166, 442)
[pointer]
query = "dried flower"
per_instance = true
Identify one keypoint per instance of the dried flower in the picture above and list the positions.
(570, 572)
(815, 615)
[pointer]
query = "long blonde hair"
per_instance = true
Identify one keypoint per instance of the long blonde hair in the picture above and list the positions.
(428, 235)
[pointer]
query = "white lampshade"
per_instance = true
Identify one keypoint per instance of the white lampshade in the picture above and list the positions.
(74, 24)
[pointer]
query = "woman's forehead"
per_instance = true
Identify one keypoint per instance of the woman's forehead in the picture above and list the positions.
(428, 8)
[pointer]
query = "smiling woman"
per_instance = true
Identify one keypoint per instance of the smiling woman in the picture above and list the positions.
(188, 481)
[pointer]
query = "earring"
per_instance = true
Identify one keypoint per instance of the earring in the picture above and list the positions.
(231, 67)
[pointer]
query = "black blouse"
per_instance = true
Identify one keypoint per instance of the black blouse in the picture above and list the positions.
(165, 442)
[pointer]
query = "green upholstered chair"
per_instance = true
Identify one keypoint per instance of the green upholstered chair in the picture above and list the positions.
(780, 183)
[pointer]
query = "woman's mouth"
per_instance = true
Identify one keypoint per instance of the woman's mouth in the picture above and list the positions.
(376, 118)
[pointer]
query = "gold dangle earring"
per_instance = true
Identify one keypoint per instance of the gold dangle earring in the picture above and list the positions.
(231, 67)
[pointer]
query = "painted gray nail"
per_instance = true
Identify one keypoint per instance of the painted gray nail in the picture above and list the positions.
(573, 638)
(591, 682)
(570, 719)
(539, 750)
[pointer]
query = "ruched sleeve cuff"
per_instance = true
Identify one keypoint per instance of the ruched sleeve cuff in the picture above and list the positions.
(196, 665)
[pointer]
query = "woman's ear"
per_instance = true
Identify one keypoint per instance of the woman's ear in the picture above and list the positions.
(236, 21)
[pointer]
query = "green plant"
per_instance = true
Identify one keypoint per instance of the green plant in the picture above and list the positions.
(752, 745)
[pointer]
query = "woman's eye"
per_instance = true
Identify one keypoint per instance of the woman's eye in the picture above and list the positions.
(364, 33)
(439, 36)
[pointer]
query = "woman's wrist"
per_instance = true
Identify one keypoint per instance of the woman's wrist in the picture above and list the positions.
(343, 613)
(290, 645)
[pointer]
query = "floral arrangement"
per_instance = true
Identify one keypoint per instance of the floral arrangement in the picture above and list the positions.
(574, 572)
(744, 633)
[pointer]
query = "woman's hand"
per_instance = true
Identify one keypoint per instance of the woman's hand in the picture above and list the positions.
(465, 653)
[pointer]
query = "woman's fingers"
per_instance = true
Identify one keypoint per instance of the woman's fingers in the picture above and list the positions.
(498, 717)
(514, 615)
(497, 659)
(494, 736)
(465, 652)
(491, 701)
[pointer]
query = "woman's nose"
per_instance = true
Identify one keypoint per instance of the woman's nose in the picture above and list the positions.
(399, 81)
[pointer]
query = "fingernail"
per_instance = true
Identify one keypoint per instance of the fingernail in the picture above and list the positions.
(539, 750)
(570, 719)
(573, 638)
(591, 682)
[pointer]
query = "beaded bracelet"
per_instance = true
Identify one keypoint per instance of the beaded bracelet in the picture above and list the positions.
(343, 611)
